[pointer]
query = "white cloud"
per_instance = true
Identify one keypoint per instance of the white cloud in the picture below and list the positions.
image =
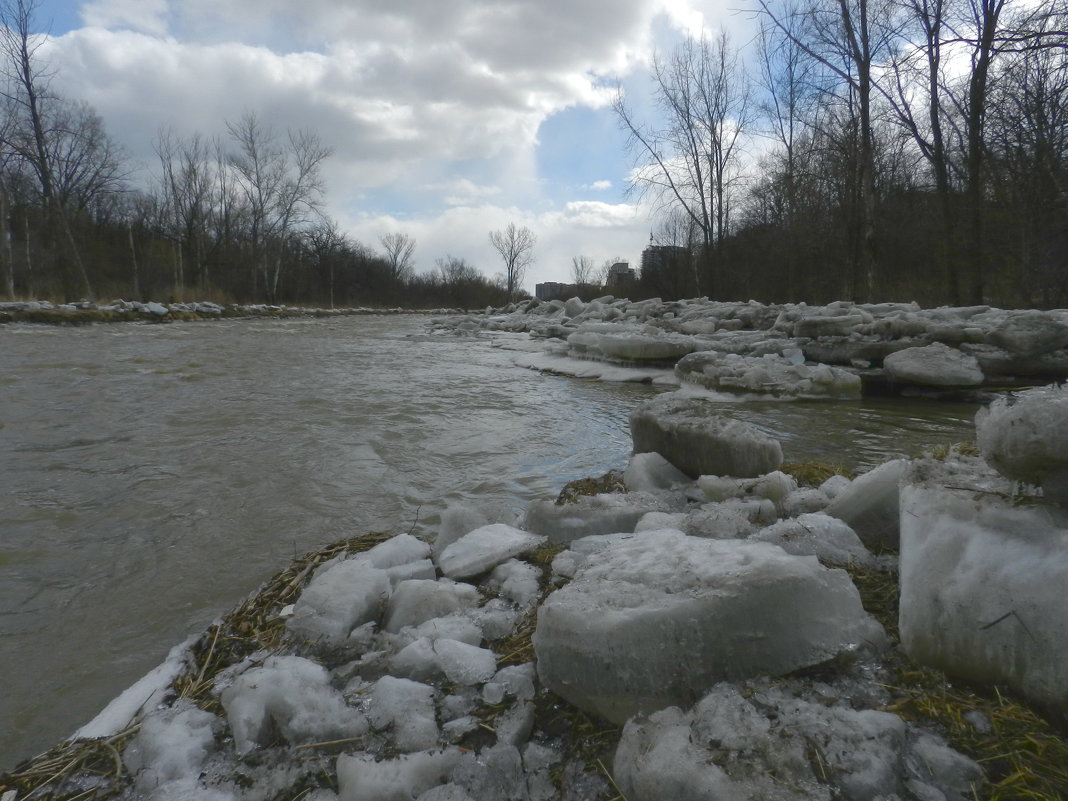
(462, 191)
(433, 103)
(146, 16)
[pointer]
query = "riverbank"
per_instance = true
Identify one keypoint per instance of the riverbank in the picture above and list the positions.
(125, 311)
(528, 661)
(838, 350)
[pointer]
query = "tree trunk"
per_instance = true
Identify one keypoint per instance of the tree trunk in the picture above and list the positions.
(988, 12)
(5, 237)
(133, 262)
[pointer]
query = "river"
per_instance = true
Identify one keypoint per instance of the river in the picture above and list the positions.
(151, 476)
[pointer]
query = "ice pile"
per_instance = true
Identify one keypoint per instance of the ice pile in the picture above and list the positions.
(771, 374)
(788, 350)
(770, 742)
(982, 575)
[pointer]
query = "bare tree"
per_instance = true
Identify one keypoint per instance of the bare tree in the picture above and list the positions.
(32, 136)
(847, 37)
(916, 91)
(186, 183)
(984, 17)
(282, 185)
(790, 110)
(399, 248)
(1027, 168)
(582, 269)
(327, 245)
(27, 88)
(688, 162)
(516, 248)
(86, 162)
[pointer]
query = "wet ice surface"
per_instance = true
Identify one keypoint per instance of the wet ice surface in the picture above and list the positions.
(666, 634)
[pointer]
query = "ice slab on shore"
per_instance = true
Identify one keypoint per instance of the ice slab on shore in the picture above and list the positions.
(730, 519)
(289, 695)
(562, 364)
(361, 777)
(395, 552)
(406, 708)
(346, 595)
(656, 619)
(730, 747)
(690, 434)
(935, 365)
(1029, 333)
(651, 472)
(771, 374)
(982, 589)
(484, 548)
(518, 581)
(588, 515)
(627, 344)
(171, 746)
(144, 694)
(870, 505)
(1025, 436)
(418, 600)
(827, 538)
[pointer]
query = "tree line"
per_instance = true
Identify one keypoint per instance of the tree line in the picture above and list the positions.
(864, 149)
(237, 217)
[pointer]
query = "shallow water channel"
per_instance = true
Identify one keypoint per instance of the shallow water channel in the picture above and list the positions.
(151, 476)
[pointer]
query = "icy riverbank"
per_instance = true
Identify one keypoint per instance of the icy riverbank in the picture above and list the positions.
(788, 350)
(708, 617)
(84, 312)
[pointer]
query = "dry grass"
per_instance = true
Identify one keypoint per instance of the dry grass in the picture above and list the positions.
(812, 473)
(944, 452)
(612, 481)
(72, 771)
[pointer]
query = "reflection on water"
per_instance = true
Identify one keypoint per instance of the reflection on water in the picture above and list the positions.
(154, 475)
(857, 434)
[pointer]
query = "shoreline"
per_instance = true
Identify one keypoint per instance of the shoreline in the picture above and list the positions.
(87, 313)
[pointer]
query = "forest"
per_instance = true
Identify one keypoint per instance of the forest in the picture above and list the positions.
(864, 150)
(853, 149)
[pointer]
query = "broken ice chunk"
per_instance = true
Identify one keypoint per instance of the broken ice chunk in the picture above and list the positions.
(291, 695)
(656, 619)
(348, 594)
(485, 548)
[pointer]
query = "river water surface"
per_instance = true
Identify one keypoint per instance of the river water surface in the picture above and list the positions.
(151, 476)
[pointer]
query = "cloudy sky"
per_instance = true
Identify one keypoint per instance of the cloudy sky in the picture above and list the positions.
(448, 118)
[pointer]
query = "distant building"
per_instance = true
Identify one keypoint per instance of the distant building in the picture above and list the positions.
(551, 290)
(620, 273)
(660, 257)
